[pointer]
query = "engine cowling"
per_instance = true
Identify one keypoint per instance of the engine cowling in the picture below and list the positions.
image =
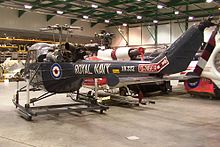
(77, 52)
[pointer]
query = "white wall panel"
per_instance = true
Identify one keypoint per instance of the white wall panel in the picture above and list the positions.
(118, 40)
(135, 36)
(163, 33)
(177, 31)
(146, 36)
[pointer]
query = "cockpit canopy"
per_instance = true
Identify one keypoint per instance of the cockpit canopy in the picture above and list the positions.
(44, 52)
(38, 51)
(42, 48)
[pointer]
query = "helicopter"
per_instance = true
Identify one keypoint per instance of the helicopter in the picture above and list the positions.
(62, 68)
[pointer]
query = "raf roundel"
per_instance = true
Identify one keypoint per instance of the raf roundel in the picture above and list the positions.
(193, 84)
(56, 71)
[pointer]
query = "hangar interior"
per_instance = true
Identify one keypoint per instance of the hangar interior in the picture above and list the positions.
(59, 85)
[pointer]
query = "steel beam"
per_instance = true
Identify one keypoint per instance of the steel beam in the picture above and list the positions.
(49, 17)
(156, 33)
(72, 21)
(21, 12)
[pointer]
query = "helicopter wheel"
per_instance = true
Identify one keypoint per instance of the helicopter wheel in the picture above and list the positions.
(123, 91)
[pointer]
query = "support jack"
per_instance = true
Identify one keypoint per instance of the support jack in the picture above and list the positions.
(28, 112)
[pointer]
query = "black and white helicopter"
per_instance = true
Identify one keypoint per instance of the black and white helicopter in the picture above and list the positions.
(62, 68)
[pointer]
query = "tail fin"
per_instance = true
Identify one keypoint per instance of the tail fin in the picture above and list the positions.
(206, 53)
(182, 51)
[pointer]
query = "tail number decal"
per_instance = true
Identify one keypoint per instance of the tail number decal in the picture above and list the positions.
(153, 68)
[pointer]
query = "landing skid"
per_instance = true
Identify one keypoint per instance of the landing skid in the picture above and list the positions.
(27, 111)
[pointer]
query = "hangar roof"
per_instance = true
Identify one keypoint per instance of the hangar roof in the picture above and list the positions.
(117, 12)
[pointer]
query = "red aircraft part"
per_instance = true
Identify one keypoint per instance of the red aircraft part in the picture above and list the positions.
(141, 51)
(90, 81)
(154, 67)
(93, 58)
(200, 86)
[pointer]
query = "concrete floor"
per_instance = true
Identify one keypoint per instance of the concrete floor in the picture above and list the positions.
(174, 121)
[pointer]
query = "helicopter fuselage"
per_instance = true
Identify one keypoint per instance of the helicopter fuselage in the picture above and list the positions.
(68, 77)
(63, 70)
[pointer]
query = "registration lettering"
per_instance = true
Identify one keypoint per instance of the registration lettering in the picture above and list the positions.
(101, 68)
(154, 67)
(147, 68)
(89, 69)
(127, 68)
(82, 69)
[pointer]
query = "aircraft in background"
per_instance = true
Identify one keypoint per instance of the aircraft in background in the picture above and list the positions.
(208, 68)
(13, 69)
(62, 69)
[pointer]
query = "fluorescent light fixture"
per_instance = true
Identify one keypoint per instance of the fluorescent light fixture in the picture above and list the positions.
(138, 0)
(190, 17)
(176, 12)
(125, 25)
(107, 21)
(155, 21)
(94, 6)
(27, 6)
(119, 12)
(139, 17)
(209, 1)
(159, 6)
(85, 16)
(59, 12)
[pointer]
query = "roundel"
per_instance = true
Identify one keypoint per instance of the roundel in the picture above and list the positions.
(56, 71)
(193, 83)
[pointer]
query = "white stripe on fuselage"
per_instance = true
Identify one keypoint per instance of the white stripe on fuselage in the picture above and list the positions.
(202, 63)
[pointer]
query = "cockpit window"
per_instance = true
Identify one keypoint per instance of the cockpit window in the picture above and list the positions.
(32, 56)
